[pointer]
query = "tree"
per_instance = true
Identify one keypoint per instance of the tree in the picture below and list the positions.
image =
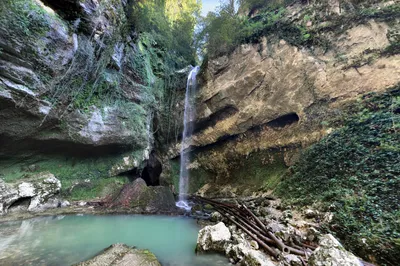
(171, 23)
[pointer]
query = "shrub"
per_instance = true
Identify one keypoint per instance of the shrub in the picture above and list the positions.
(356, 170)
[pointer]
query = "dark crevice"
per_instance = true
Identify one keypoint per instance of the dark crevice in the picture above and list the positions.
(284, 120)
(150, 174)
(277, 123)
(67, 9)
(10, 147)
(213, 119)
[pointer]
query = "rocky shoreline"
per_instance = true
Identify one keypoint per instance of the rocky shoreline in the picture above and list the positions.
(218, 235)
(224, 237)
(41, 196)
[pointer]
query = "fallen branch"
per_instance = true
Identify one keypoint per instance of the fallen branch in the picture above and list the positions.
(256, 230)
(278, 242)
(261, 243)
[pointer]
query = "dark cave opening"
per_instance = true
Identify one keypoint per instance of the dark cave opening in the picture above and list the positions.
(21, 204)
(284, 120)
(150, 174)
(68, 9)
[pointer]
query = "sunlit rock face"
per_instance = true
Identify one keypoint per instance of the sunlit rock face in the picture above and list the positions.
(277, 97)
(261, 83)
(213, 238)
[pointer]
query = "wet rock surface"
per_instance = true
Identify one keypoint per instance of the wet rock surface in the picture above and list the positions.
(122, 255)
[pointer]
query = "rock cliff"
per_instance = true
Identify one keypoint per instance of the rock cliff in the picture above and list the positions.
(275, 97)
(80, 88)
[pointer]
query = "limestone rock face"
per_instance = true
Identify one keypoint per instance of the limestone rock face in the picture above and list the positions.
(331, 252)
(274, 84)
(141, 198)
(213, 238)
(122, 255)
(34, 115)
(33, 194)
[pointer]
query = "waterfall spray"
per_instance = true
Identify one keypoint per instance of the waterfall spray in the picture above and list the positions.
(188, 119)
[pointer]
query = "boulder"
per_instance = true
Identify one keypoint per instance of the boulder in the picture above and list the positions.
(141, 198)
(331, 253)
(213, 238)
(122, 255)
(31, 194)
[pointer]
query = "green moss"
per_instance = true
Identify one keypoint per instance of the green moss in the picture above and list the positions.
(198, 178)
(262, 170)
(174, 174)
(24, 17)
(67, 169)
(356, 170)
(99, 188)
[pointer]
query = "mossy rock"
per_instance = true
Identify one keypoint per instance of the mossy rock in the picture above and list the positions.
(121, 254)
(141, 198)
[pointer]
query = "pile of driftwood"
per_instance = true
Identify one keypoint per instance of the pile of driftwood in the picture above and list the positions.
(245, 219)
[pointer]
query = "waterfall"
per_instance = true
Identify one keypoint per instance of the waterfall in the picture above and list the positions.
(188, 119)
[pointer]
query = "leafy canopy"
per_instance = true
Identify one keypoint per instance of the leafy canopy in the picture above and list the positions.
(171, 23)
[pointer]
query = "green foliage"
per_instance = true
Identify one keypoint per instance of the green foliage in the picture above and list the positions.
(356, 169)
(259, 4)
(221, 30)
(24, 16)
(171, 26)
(224, 30)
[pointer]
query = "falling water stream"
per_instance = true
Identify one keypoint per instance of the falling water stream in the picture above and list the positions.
(188, 118)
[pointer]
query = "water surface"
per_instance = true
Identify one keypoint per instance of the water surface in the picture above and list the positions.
(65, 240)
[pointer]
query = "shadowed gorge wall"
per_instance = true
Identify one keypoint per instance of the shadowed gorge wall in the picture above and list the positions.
(84, 88)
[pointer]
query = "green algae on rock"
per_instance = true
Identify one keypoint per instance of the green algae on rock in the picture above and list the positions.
(120, 255)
